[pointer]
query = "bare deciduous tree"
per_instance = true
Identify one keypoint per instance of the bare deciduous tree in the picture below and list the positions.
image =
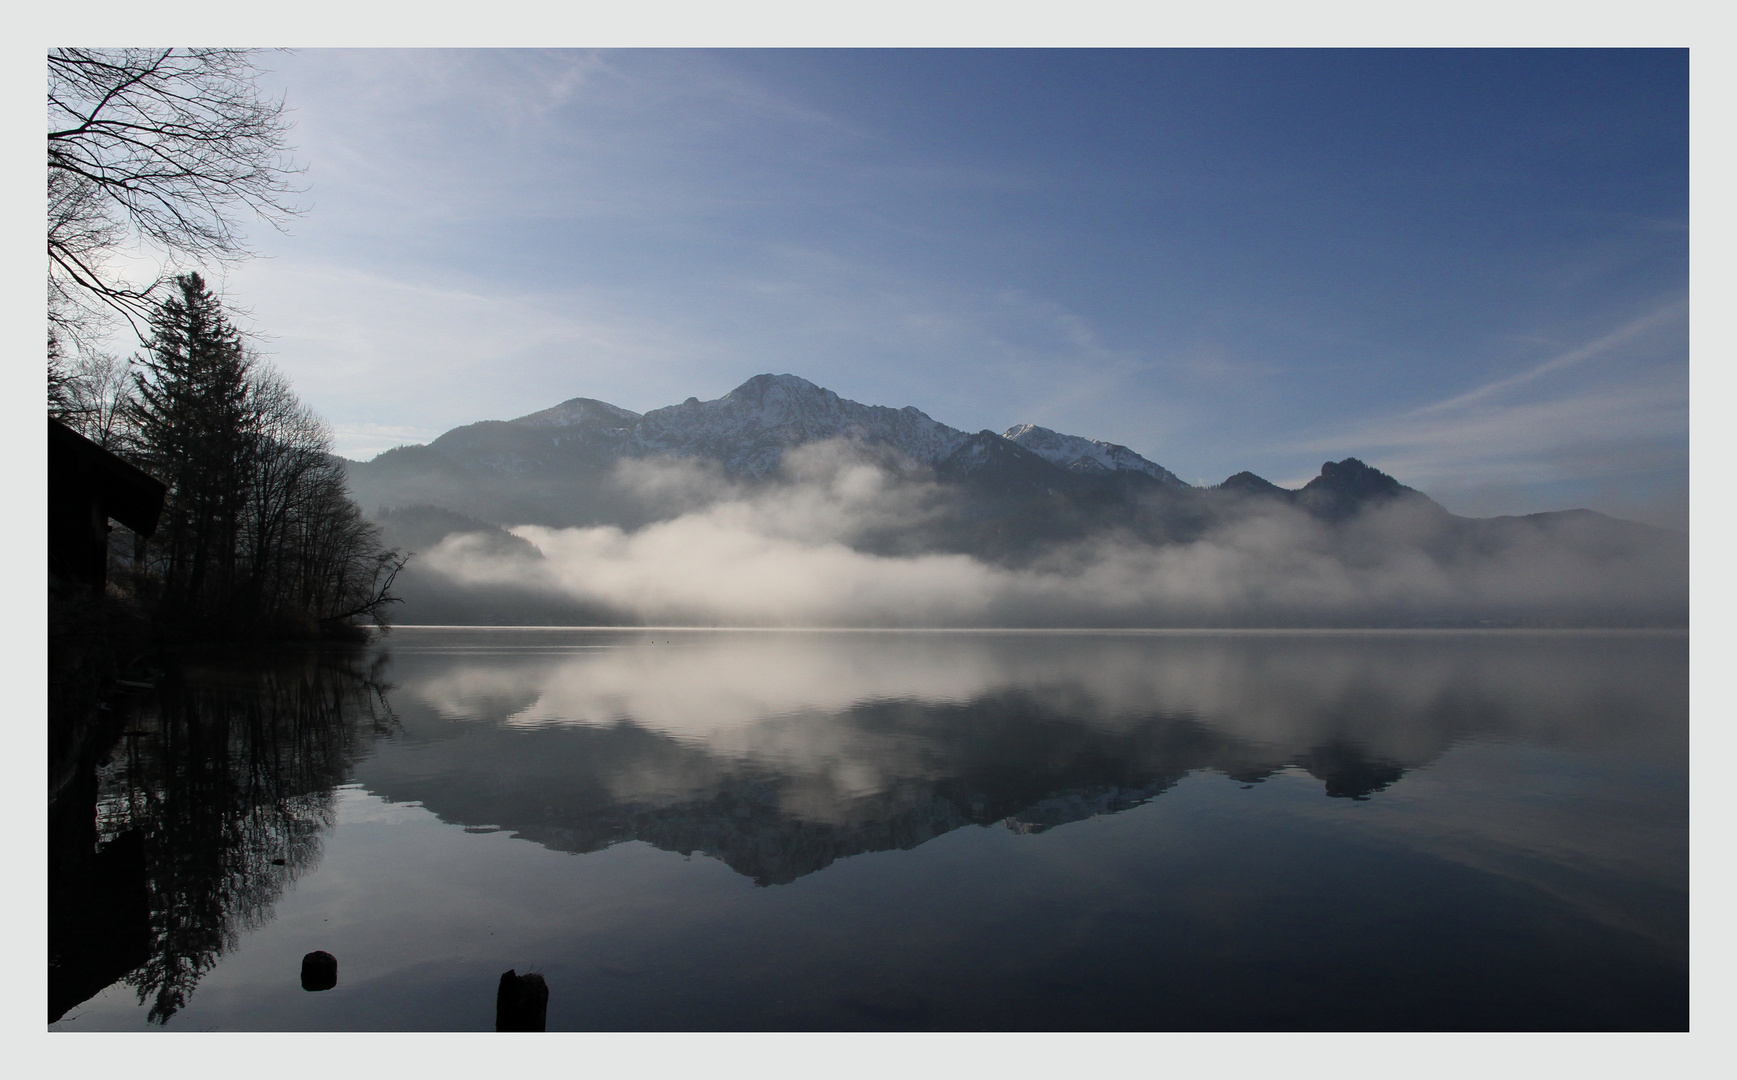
(165, 146)
(95, 390)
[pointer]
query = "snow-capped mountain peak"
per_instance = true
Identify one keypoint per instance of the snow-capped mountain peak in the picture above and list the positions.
(749, 428)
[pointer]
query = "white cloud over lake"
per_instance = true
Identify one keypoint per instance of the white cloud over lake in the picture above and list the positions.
(794, 554)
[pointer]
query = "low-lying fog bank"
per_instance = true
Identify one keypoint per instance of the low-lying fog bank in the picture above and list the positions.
(847, 535)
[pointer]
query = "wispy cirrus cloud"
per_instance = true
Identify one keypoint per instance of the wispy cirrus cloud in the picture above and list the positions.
(1669, 315)
(1534, 440)
(1602, 417)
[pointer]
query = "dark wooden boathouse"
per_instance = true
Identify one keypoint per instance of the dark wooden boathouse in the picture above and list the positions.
(99, 905)
(87, 486)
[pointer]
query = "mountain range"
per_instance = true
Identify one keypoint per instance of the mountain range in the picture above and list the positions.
(746, 432)
(1009, 499)
(547, 467)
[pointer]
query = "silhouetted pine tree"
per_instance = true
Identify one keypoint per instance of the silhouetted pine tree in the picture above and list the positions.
(258, 534)
(190, 422)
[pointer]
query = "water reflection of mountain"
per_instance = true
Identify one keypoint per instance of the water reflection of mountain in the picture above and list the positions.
(184, 834)
(1006, 760)
(548, 748)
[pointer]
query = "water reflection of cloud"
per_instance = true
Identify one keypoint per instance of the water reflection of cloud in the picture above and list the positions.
(1549, 763)
(852, 728)
(700, 686)
(1400, 693)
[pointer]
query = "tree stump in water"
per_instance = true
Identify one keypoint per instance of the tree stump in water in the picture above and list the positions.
(522, 1002)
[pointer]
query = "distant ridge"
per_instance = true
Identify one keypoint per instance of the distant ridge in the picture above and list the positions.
(1342, 490)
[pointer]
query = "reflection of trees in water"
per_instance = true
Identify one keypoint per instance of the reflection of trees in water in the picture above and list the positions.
(231, 783)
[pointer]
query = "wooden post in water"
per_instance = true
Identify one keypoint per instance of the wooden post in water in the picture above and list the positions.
(522, 1002)
(319, 970)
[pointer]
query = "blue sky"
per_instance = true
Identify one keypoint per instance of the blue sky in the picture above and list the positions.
(1468, 268)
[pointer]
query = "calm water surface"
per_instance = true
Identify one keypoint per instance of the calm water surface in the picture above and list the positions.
(787, 830)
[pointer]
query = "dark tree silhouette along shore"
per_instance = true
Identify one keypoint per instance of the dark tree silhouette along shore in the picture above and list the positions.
(258, 535)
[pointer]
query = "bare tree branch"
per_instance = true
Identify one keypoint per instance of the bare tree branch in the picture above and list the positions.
(169, 147)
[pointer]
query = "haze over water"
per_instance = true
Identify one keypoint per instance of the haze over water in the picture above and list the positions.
(910, 830)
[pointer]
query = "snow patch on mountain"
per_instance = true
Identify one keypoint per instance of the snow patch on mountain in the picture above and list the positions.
(581, 412)
(1077, 454)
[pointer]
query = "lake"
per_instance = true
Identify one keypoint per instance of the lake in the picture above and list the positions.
(786, 830)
